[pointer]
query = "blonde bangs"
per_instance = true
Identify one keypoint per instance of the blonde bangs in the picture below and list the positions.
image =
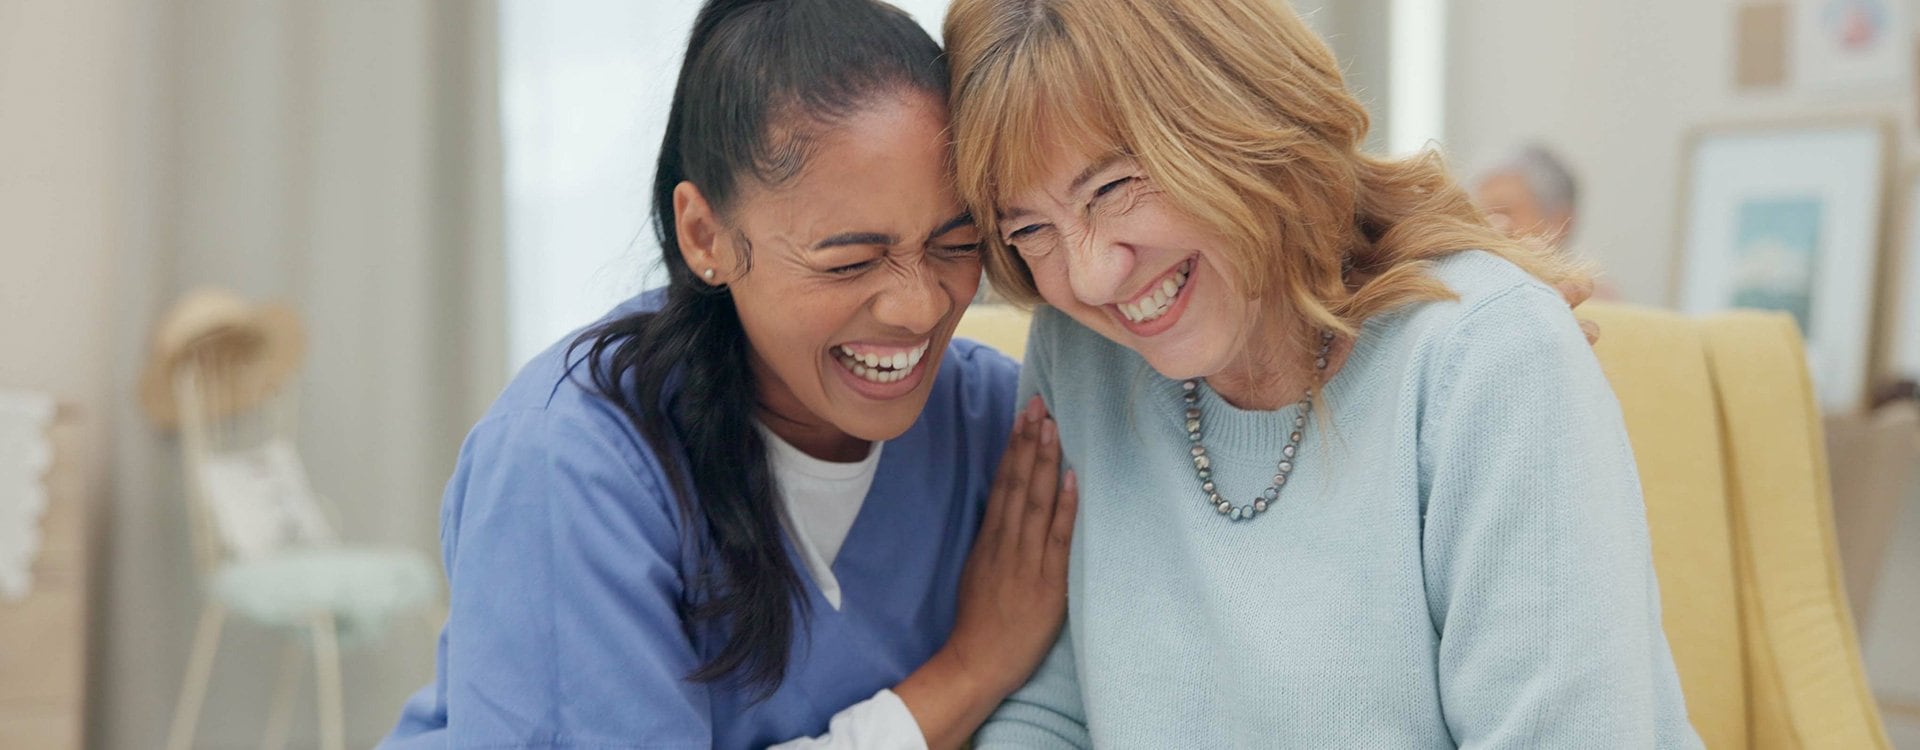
(1018, 110)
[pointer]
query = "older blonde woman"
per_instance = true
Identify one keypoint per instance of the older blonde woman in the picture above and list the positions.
(1353, 477)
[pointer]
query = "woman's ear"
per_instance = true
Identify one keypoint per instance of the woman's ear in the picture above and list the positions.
(700, 234)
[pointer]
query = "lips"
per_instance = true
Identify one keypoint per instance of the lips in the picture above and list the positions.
(1158, 300)
(881, 364)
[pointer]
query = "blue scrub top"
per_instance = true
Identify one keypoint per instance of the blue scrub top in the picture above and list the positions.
(565, 561)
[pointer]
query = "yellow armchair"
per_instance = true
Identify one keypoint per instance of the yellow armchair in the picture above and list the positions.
(1721, 415)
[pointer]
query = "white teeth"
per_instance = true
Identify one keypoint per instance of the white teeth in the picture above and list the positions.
(883, 368)
(1157, 302)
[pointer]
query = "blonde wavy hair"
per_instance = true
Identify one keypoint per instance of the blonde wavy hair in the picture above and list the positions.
(1238, 114)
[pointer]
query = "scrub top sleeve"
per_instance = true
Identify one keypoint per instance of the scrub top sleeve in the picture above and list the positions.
(563, 564)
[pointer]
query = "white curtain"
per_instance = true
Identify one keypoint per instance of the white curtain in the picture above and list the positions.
(342, 157)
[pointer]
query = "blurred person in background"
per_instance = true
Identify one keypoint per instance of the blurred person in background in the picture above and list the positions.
(1531, 193)
(1535, 194)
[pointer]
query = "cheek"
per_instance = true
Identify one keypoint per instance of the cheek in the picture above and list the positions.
(962, 277)
(790, 330)
(1050, 278)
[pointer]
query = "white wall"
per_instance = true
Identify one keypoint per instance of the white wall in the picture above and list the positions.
(67, 118)
(1616, 86)
(63, 207)
(584, 93)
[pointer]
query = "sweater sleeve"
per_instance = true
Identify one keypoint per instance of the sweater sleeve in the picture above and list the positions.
(1538, 568)
(1046, 712)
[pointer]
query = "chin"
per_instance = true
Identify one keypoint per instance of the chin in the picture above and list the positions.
(1178, 368)
(891, 422)
(1179, 357)
(882, 420)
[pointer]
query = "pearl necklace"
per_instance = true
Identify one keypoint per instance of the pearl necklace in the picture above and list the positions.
(1203, 466)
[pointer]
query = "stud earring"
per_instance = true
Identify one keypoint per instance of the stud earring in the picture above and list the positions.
(708, 275)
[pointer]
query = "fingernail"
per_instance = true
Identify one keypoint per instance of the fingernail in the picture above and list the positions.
(1072, 483)
(1048, 431)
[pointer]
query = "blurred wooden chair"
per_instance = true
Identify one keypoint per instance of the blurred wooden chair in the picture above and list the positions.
(264, 541)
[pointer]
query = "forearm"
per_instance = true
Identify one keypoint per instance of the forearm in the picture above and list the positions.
(948, 701)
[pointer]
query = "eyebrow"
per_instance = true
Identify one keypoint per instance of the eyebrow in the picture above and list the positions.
(1079, 181)
(1014, 214)
(1087, 174)
(961, 220)
(859, 239)
(846, 239)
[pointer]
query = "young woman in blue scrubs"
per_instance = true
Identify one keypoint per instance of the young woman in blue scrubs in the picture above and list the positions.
(766, 504)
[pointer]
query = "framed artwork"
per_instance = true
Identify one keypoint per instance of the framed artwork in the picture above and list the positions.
(1760, 35)
(1843, 46)
(1902, 343)
(1790, 217)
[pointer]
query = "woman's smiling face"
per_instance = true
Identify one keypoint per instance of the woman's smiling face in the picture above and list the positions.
(1107, 248)
(850, 277)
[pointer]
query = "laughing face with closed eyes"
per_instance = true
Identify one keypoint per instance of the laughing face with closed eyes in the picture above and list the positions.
(849, 278)
(1106, 248)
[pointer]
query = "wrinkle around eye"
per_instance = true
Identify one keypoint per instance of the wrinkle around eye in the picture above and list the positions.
(1121, 201)
(1114, 185)
(1024, 232)
(851, 268)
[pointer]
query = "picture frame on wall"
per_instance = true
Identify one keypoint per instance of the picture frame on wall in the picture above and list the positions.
(1790, 217)
(1850, 46)
(1760, 36)
(1902, 325)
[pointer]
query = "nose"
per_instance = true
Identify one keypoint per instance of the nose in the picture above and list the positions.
(1096, 267)
(916, 302)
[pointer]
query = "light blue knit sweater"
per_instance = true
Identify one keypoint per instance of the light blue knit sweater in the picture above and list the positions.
(1459, 560)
